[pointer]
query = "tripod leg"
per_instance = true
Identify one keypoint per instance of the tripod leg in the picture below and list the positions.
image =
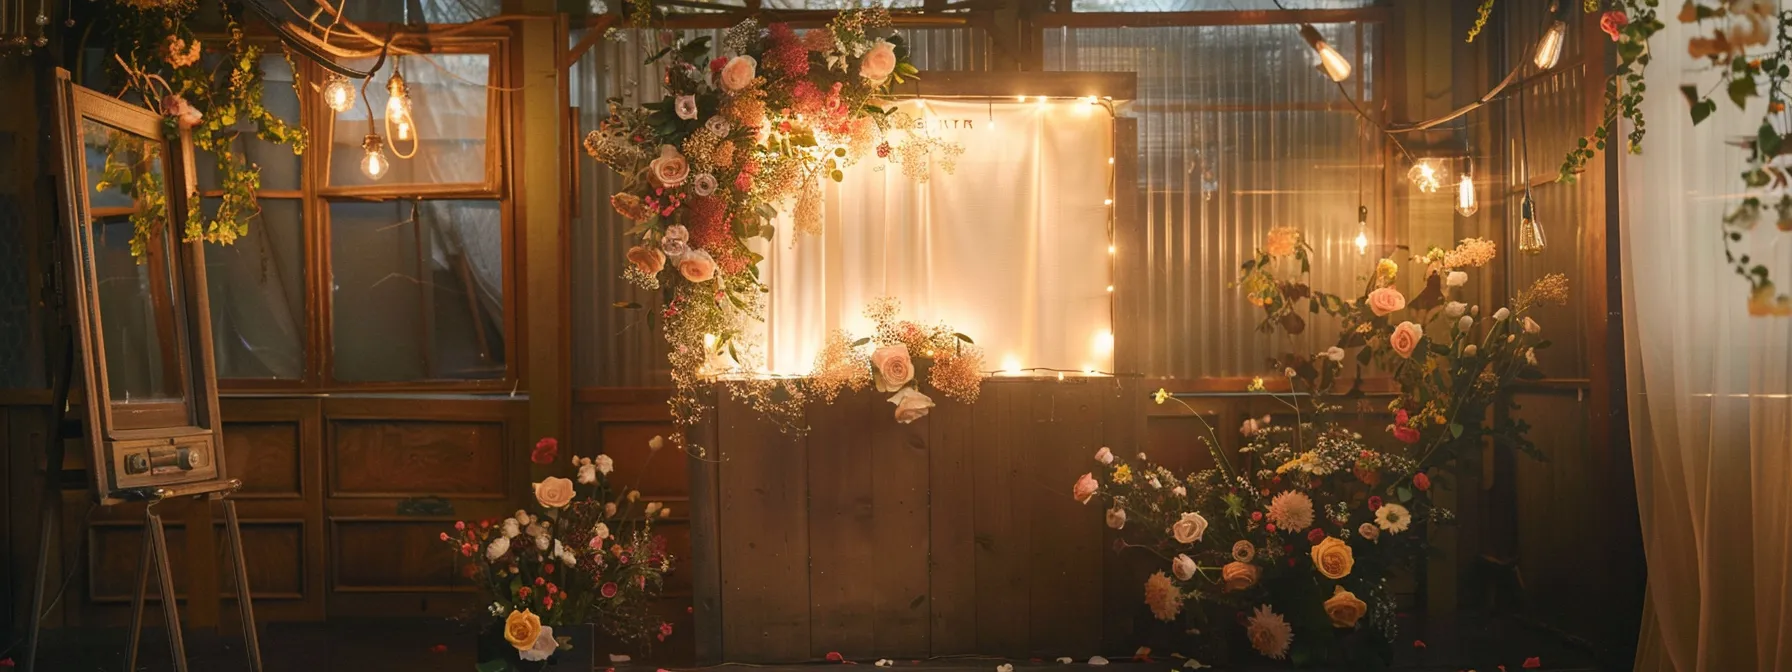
(137, 598)
(46, 538)
(170, 611)
(233, 532)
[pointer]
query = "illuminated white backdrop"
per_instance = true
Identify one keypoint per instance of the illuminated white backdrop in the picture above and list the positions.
(1010, 248)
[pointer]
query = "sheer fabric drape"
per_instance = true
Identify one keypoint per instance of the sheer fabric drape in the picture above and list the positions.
(1711, 419)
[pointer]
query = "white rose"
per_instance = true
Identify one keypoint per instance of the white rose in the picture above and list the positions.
(1455, 309)
(604, 464)
(1183, 567)
(1333, 353)
(511, 529)
(1117, 518)
(587, 474)
(1501, 314)
(544, 646)
(601, 531)
(1104, 456)
(910, 405)
(499, 547)
(1189, 529)
(1456, 279)
(1531, 326)
(1465, 323)
(1179, 491)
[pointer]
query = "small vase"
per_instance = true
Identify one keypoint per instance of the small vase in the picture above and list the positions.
(580, 658)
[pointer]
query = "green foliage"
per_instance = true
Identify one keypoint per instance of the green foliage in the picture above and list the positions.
(1623, 89)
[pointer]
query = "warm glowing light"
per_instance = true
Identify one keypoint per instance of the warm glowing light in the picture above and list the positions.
(1107, 201)
(709, 341)
(1010, 365)
(375, 163)
(1042, 100)
(1020, 99)
(1060, 376)
(1466, 204)
(339, 94)
(401, 127)
(398, 97)
(1333, 63)
(1549, 47)
(1362, 230)
(1110, 160)
(1428, 175)
(1089, 369)
(992, 125)
(1110, 289)
(1104, 342)
(1110, 249)
(1530, 231)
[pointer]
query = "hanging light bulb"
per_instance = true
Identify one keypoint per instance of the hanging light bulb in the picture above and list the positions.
(1428, 175)
(402, 127)
(1466, 204)
(339, 94)
(1333, 63)
(375, 164)
(1549, 47)
(1530, 231)
(1362, 229)
(398, 96)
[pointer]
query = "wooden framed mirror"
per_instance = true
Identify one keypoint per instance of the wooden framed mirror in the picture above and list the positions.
(136, 296)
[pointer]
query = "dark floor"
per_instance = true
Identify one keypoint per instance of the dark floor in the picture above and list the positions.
(428, 645)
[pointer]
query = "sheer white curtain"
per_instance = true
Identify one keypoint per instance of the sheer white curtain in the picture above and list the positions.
(1711, 419)
(1009, 248)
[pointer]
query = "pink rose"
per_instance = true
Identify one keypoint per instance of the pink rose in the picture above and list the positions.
(670, 169)
(910, 405)
(685, 106)
(1104, 455)
(676, 241)
(739, 72)
(1183, 567)
(697, 266)
(1405, 338)
(1085, 488)
(183, 112)
(879, 62)
(1386, 300)
(553, 492)
(894, 369)
(646, 259)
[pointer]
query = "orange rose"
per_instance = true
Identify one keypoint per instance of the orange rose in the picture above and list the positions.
(521, 629)
(553, 492)
(1333, 559)
(1344, 608)
(646, 259)
(1239, 575)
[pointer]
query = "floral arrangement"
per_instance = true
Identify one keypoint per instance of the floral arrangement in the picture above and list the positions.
(588, 555)
(157, 58)
(903, 353)
(737, 136)
(1299, 546)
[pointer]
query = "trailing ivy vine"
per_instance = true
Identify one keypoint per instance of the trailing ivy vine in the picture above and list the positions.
(157, 58)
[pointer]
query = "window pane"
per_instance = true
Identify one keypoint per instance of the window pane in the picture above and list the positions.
(418, 290)
(450, 105)
(279, 166)
(1207, 5)
(257, 288)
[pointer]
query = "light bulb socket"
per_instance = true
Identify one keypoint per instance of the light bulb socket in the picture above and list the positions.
(1312, 36)
(1527, 209)
(1362, 214)
(372, 143)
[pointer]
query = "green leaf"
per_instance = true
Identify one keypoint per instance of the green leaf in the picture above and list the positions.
(861, 341)
(1741, 89)
(1403, 493)
(499, 665)
(1703, 109)
(1455, 430)
(1767, 141)
(1691, 93)
(963, 337)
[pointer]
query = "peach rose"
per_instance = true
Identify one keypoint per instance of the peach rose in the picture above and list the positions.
(646, 259)
(1104, 455)
(1386, 300)
(1239, 575)
(553, 492)
(1405, 338)
(1332, 558)
(879, 62)
(697, 266)
(894, 369)
(1183, 567)
(521, 629)
(1085, 488)
(629, 206)
(910, 405)
(1189, 528)
(1344, 608)
(739, 72)
(670, 169)
(182, 112)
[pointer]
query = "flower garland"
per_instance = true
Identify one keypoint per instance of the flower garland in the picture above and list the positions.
(157, 57)
(1301, 548)
(904, 352)
(707, 167)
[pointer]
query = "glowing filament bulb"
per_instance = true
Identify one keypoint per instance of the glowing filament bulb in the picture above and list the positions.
(1466, 204)
(398, 97)
(1333, 63)
(1427, 175)
(339, 94)
(374, 164)
(1011, 365)
(1549, 47)
(1362, 230)
(1530, 231)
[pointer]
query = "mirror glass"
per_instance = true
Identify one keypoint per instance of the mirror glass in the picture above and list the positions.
(131, 253)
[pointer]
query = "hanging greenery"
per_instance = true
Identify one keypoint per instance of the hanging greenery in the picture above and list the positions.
(157, 60)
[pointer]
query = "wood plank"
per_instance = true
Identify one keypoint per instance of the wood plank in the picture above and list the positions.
(764, 540)
(1001, 540)
(899, 531)
(1123, 431)
(841, 597)
(1064, 573)
(952, 534)
(704, 564)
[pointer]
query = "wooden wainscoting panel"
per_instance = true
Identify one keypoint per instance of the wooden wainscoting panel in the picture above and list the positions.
(1002, 533)
(273, 549)
(393, 555)
(266, 456)
(952, 535)
(1064, 567)
(841, 504)
(397, 458)
(898, 529)
(764, 540)
(656, 473)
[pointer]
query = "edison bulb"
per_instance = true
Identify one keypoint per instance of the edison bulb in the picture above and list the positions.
(398, 97)
(1466, 203)
(1362, 230)
(339, 94)
(374, 164)
(1333, 63)
(1549, 47)
(402, 127)
(1427, 175)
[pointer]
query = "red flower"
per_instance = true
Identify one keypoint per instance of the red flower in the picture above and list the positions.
(547, 602)
(553, 589)
(523, 592)
(1402, 432)
(1374, 502)
(715, 65)
(665, 629)
(444, 536)
(1421, 481)
(439, 648)
(545, 451)
(609, 590)
(541, 581)
(1271, 528)
(1418, 643)
(1534, 662)
(835, 657)
(547, 567)
(1613, 22)
(460, 525)
(1256, 516)
(1315, 535)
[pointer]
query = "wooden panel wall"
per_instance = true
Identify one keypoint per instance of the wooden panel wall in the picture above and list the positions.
(955, 534)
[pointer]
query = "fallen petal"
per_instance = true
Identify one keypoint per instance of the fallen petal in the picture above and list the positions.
(1533, 663)
(439, 648)
(1064, 661)
(1194, 664)
(614, 657)
(1005, 667)
(1097, 660)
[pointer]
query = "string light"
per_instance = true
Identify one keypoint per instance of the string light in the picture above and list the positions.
(398, 96)
(1428, 175)
(1466, 204)
(1010, 365)
(339, 94)
(1530, 231)
(1549, 47)
(1362, 230)
(374, 164)
(1333, 63)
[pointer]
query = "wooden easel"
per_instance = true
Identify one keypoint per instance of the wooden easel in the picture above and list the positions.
(155, 542)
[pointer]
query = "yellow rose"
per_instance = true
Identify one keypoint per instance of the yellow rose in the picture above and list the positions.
(1332, 558)
(1239, 575)
(521, 629)
(1344, 609)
